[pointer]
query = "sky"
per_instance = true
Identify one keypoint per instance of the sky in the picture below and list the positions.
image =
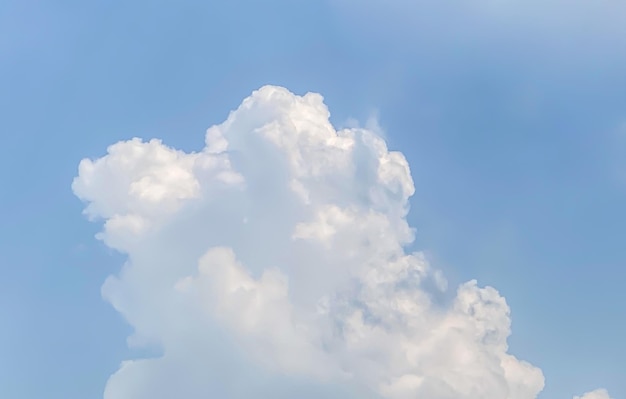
(441, 217)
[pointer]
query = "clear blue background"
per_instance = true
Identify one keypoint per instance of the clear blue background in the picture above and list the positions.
(515, 132)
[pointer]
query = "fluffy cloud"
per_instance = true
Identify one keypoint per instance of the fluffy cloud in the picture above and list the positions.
(272, 263)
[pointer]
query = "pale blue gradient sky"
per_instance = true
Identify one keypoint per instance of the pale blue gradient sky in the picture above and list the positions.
(511, 119)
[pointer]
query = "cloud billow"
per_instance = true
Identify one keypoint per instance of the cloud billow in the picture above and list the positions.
(273, 263)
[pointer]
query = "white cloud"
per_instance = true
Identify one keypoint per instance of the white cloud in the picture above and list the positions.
(597, 394)
(272, 263)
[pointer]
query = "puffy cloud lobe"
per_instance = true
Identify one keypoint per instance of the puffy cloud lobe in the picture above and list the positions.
(275, 256)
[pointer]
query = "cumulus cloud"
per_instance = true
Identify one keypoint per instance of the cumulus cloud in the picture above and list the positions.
(273, 263)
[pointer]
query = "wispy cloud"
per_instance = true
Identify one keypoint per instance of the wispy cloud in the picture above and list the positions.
(570, 35)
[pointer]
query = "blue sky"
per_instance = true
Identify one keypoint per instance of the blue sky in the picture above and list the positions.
(511, 117)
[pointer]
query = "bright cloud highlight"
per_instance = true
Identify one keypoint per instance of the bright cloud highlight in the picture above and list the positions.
(272, 263)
